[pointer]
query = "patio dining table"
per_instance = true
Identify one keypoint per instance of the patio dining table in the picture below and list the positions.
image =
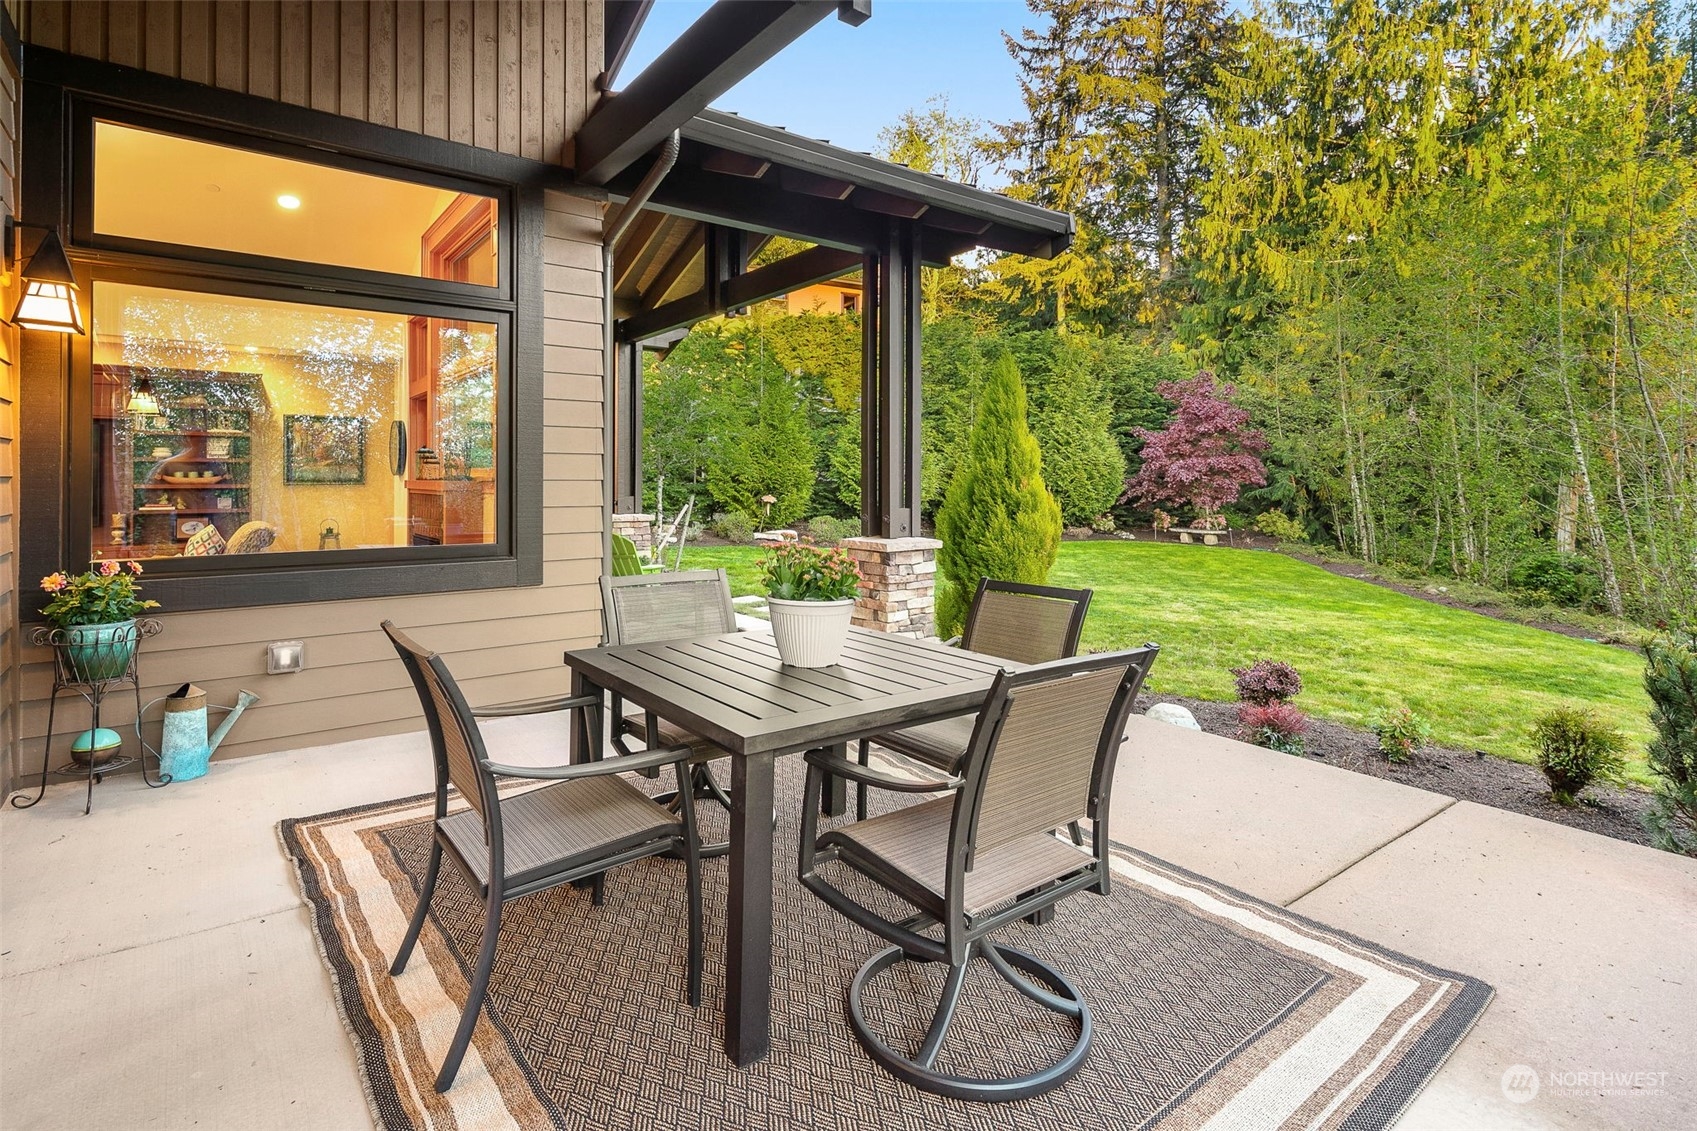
(733, 690)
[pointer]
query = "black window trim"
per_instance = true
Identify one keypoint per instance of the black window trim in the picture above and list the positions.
(53, 512)
(86, 111)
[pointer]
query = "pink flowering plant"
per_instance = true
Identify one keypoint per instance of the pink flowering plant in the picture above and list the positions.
(105, 594)
(801, 571)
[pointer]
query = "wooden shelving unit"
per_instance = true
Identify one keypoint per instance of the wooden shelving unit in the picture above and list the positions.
(214, 439)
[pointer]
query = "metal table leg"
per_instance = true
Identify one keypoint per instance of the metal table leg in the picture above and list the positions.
(748, 943)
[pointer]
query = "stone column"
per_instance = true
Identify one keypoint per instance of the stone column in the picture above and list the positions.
(898, 584)
(639, 528)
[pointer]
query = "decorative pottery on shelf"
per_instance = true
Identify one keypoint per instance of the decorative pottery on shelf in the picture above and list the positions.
(810, 634)
(206, 480)
(101, 651)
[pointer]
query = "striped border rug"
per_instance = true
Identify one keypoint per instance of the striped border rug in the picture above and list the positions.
(1212, 1009)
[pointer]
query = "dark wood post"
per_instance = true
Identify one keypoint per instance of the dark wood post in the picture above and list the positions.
(890, 386)
(627, 437)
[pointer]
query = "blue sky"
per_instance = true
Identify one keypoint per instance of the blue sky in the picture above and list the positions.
(843, 84)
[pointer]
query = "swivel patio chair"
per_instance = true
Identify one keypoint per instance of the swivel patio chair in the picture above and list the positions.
(1042, 754)
(588, 821)
(1028, 624)
(668, 607)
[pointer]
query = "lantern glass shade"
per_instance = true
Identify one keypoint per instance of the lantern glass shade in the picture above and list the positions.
(49, 301)
(49, 306)
(142, 400)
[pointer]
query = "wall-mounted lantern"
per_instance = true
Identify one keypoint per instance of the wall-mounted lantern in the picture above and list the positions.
(49, 298)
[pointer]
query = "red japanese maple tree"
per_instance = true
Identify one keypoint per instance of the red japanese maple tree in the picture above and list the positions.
(1205, 455)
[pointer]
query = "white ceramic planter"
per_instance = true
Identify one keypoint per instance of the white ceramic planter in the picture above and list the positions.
(810, 634)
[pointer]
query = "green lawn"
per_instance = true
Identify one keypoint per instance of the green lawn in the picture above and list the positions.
(1360, 648)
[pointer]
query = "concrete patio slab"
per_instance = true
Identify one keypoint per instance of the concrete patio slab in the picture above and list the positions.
(1266, 823)
(153, 864)
(229, 1027)
(1591, 944)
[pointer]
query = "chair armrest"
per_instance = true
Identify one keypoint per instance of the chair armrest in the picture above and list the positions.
(854, 771)
(624, 764)
(952, 642)
(536, 706)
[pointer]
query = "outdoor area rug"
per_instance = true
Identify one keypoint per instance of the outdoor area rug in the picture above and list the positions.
(1212, 1009)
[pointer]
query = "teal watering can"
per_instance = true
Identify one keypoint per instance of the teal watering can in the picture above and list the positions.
(186, 748)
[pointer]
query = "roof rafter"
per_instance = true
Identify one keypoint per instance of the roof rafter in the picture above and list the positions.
(727, 43)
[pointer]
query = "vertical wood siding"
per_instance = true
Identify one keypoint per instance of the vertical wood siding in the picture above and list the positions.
(515, 76)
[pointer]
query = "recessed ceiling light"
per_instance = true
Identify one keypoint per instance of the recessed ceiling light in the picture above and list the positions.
(251, 349)
(288, 201)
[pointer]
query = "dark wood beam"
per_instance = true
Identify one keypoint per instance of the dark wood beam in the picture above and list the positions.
(815, 265)
(814, 185)
(763, 207)
(888, 204)
(621, 20)
(735, 164)
(955, 222)
(727, 43)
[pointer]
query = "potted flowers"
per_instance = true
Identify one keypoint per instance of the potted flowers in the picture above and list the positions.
(810, 593)
(96, 611)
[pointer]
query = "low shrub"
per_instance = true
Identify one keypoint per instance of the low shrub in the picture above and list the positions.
(1670, 676)
(1574, 749)
(828, 528)
(734, 527)
(1275, 725)
(1103, 523)
(1401, 732)
(1267, 681)
(1568, 580)
(1280, 527)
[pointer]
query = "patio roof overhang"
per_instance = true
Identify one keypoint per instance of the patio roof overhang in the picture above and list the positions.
(737, 183)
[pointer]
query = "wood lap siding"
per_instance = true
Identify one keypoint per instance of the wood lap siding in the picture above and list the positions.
(499, 643)
(515, 76)
(516, 81)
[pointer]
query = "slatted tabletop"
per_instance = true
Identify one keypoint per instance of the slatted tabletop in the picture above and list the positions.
(734, 690)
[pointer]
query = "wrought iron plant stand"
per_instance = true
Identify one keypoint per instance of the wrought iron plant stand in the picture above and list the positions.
(93, 670)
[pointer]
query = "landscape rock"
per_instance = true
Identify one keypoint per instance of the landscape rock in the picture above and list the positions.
(1173, 715)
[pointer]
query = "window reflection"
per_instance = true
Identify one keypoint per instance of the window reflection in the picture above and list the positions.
(276, 426)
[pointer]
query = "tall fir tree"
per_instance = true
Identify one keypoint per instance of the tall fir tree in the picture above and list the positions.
(998, 519)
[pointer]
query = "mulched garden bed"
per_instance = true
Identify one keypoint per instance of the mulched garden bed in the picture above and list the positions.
(1469, 775)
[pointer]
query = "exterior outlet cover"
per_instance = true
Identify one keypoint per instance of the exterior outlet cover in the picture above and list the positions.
(284, 656)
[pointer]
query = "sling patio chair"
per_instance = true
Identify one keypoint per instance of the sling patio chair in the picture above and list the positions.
(1042, 755)
(1029, 624)
(588, 821)
(669, 607)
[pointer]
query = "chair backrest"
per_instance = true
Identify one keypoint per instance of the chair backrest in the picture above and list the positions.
(626, 562)
(1029, 624)
(454, 737)
(667, 606)
(1044, 748)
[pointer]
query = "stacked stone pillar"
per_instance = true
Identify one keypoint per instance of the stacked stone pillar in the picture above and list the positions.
(639, 528)
(898, 587)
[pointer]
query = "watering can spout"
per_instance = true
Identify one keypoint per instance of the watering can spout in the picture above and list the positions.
(244, 700)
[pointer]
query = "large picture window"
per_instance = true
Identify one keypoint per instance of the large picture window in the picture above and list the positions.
(232, 425)
(304, 375)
